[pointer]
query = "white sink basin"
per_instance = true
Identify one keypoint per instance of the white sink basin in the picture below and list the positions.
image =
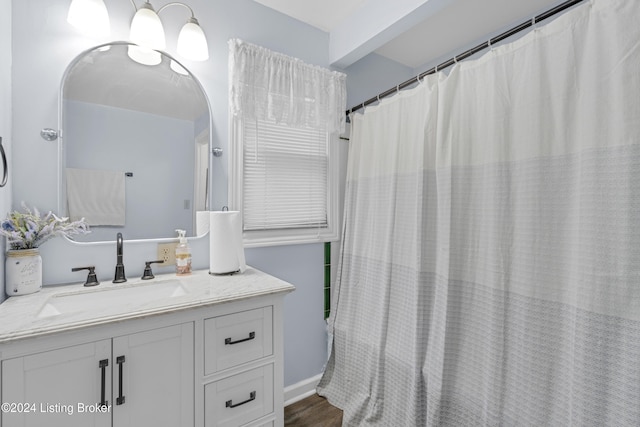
(114, 299)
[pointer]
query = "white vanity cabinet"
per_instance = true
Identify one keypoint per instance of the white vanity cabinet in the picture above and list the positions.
(144, 378)
(47, 387)
(211, 355)
(153, 381)
(239, 367)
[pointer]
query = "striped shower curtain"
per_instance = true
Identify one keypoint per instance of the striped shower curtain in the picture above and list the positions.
(490, 271)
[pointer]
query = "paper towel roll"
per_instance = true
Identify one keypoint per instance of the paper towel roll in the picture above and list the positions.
(226, 250)
(202, 222)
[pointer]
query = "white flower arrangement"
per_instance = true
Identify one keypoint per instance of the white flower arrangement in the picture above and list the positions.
(29, 230)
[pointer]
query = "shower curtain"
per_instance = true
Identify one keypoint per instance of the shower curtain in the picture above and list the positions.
(490, 271)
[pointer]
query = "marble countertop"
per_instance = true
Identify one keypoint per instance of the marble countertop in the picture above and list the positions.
(73, 306)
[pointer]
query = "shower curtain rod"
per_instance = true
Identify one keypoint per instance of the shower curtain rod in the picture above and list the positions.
(464, 55)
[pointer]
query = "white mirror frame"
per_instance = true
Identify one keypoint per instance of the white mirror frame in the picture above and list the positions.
(61, 200)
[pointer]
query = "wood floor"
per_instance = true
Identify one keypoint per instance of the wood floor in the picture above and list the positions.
(314, 411)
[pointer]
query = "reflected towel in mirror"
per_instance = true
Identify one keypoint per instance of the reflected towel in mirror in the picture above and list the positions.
(98, 196)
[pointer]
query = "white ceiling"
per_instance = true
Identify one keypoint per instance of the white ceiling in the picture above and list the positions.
(322, 14)
(449, 27)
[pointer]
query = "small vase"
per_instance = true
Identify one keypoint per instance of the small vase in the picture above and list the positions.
(23, 272)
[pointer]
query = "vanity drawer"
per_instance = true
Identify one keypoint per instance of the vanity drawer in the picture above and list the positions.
(237, 338)
(239, 399)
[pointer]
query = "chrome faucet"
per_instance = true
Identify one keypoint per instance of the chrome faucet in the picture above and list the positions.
(119, 277)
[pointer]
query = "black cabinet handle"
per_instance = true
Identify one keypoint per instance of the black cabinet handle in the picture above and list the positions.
(120, 362)
(227, 341)
(230, 404)
(103, 367)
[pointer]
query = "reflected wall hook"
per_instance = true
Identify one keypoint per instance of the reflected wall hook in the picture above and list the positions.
(49, 134)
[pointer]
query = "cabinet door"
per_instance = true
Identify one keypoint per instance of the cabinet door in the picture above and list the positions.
(58, 388)
(153, 378)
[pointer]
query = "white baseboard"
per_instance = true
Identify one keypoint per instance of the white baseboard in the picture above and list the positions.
(305, 388)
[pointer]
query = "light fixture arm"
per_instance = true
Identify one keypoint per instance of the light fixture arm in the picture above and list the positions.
(175, 3)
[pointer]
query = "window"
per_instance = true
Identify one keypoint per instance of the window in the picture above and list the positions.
(285, 183)
(284, 155)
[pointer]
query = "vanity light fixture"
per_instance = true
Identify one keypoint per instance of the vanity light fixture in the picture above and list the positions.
(143, 55)
(90, 17)
(146, 30)
(192, 43)
(176, 67)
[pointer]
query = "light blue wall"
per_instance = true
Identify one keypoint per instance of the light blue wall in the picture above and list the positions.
(372, 75)
(5, 116)
(305, 335)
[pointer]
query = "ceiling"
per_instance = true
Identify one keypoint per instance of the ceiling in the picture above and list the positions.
(429, 30)
(322, 14)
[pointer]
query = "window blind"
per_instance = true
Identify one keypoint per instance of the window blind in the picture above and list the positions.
(285, 176)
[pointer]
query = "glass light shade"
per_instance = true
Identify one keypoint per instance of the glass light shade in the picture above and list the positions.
(178, 68)
(143, 55)
(146, 28)
(90, 17)
(192, 43)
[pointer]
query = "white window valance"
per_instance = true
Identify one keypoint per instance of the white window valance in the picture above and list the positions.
(267, 85)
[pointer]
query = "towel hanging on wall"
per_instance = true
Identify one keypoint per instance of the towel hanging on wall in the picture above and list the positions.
(98, 196)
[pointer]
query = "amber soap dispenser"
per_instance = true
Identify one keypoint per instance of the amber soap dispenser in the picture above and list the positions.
(183, 255)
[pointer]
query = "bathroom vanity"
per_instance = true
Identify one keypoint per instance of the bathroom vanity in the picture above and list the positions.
(198, 350)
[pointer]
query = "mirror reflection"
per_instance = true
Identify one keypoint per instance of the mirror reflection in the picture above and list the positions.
(135, 146)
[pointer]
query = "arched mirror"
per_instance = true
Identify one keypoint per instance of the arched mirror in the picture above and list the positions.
(134, 153)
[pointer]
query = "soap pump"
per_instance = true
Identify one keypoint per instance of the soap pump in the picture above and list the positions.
(183, 255)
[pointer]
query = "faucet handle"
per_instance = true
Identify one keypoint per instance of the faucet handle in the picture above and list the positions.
(92, 279)
(148, 274)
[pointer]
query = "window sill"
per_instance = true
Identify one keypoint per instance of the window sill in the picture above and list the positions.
(257, 239)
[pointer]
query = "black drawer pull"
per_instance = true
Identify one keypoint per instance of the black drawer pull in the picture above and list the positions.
(227, 341)
(120, 361)
(252, 396)
(103, 367)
